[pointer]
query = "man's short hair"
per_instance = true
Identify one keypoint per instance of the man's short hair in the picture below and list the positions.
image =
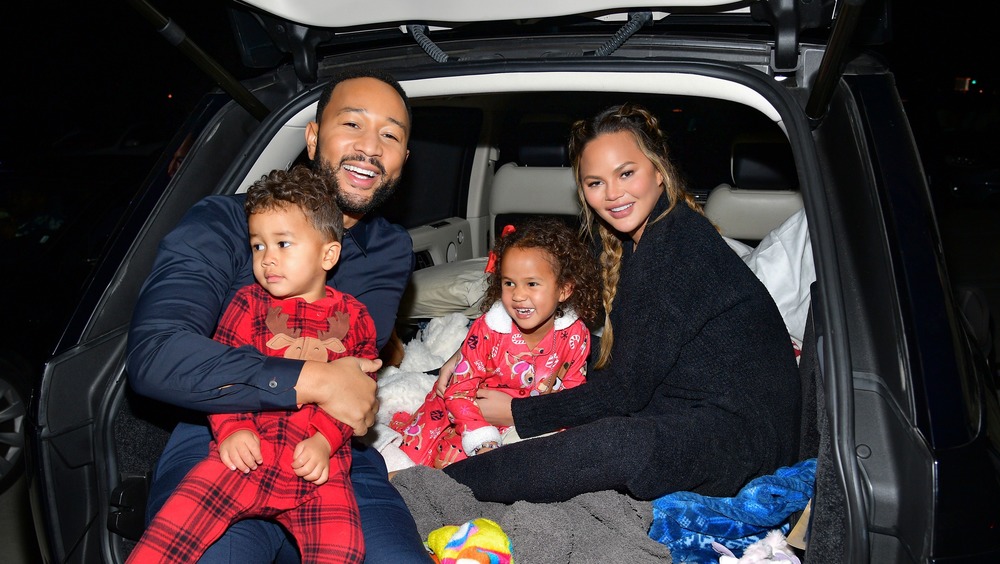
(361, 72)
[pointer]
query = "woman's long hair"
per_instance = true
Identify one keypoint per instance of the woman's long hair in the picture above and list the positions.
(645, 128)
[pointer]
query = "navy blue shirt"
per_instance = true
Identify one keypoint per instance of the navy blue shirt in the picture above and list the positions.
(200, 266)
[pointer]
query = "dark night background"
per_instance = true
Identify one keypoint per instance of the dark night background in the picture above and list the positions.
(92, 93)
(98, 66)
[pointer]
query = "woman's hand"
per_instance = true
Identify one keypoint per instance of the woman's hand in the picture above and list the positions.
(495, 407)
(445, 374)
(343, 389)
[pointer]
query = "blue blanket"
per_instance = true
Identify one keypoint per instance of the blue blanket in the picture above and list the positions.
(688, 523)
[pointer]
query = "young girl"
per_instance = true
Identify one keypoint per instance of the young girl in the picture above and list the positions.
(532, 340)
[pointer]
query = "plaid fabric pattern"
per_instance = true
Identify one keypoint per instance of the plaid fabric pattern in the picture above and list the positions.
(323, 519)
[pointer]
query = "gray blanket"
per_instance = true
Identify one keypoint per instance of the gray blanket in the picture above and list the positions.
(598, 527)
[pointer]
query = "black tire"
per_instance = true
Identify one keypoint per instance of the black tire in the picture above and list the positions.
(15, 388)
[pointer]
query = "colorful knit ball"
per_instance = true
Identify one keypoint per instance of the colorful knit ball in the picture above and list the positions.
(479, 541)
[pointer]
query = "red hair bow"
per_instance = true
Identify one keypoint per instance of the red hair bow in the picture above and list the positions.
(491, 263)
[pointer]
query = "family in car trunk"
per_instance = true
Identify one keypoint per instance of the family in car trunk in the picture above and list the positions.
(774, 303)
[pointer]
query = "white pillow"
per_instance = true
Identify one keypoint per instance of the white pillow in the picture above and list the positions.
(436, 291)
(783, 261)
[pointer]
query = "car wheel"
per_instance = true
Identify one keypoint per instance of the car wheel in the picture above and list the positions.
(14, 390)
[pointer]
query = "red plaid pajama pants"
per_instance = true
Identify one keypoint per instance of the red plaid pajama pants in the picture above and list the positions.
(323, 519)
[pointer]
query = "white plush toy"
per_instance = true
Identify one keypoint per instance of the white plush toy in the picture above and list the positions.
(404, 388)
(435, 343)
(772, 548)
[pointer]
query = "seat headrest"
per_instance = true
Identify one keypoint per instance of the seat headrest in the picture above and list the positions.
(765, 191)
(749, 215)
(764, 166)
(534, 190)
(520, 192)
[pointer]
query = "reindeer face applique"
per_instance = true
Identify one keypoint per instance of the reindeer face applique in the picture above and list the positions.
(521, 370)
(307, 348)
(413, 432)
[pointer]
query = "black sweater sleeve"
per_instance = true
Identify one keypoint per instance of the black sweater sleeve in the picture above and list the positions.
(678, 280)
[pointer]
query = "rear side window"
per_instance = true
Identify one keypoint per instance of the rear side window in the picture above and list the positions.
(435, 183)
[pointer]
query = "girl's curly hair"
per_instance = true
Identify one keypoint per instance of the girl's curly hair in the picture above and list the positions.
(571, 260)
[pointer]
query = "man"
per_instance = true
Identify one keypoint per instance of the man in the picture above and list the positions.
(358, 142)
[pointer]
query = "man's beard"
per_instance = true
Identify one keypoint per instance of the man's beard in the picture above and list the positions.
(348, 203)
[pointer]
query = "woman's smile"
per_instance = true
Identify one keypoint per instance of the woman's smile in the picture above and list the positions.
(619, 212)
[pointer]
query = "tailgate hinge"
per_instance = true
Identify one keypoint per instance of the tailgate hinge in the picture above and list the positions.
(789, 18)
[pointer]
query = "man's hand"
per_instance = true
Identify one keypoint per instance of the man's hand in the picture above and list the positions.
(342, 389)
(495, 407)
(241, 451)
(311, 459)
(445, 374)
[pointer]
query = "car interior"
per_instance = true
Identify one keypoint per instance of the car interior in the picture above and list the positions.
(487, 151)
(461, 172)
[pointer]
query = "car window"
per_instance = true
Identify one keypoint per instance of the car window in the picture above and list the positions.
(701, 131)
(435, 182)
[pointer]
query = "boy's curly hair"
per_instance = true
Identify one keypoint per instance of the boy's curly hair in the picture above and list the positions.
(300, 187)
(571, 260)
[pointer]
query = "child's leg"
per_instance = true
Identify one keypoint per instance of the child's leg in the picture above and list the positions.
(250, 541)
(327, 527)
(202, 507)
(420, 435)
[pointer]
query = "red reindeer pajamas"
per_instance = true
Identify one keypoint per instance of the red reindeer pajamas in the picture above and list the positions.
(323, 519)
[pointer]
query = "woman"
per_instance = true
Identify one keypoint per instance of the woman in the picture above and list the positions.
(695, 387)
